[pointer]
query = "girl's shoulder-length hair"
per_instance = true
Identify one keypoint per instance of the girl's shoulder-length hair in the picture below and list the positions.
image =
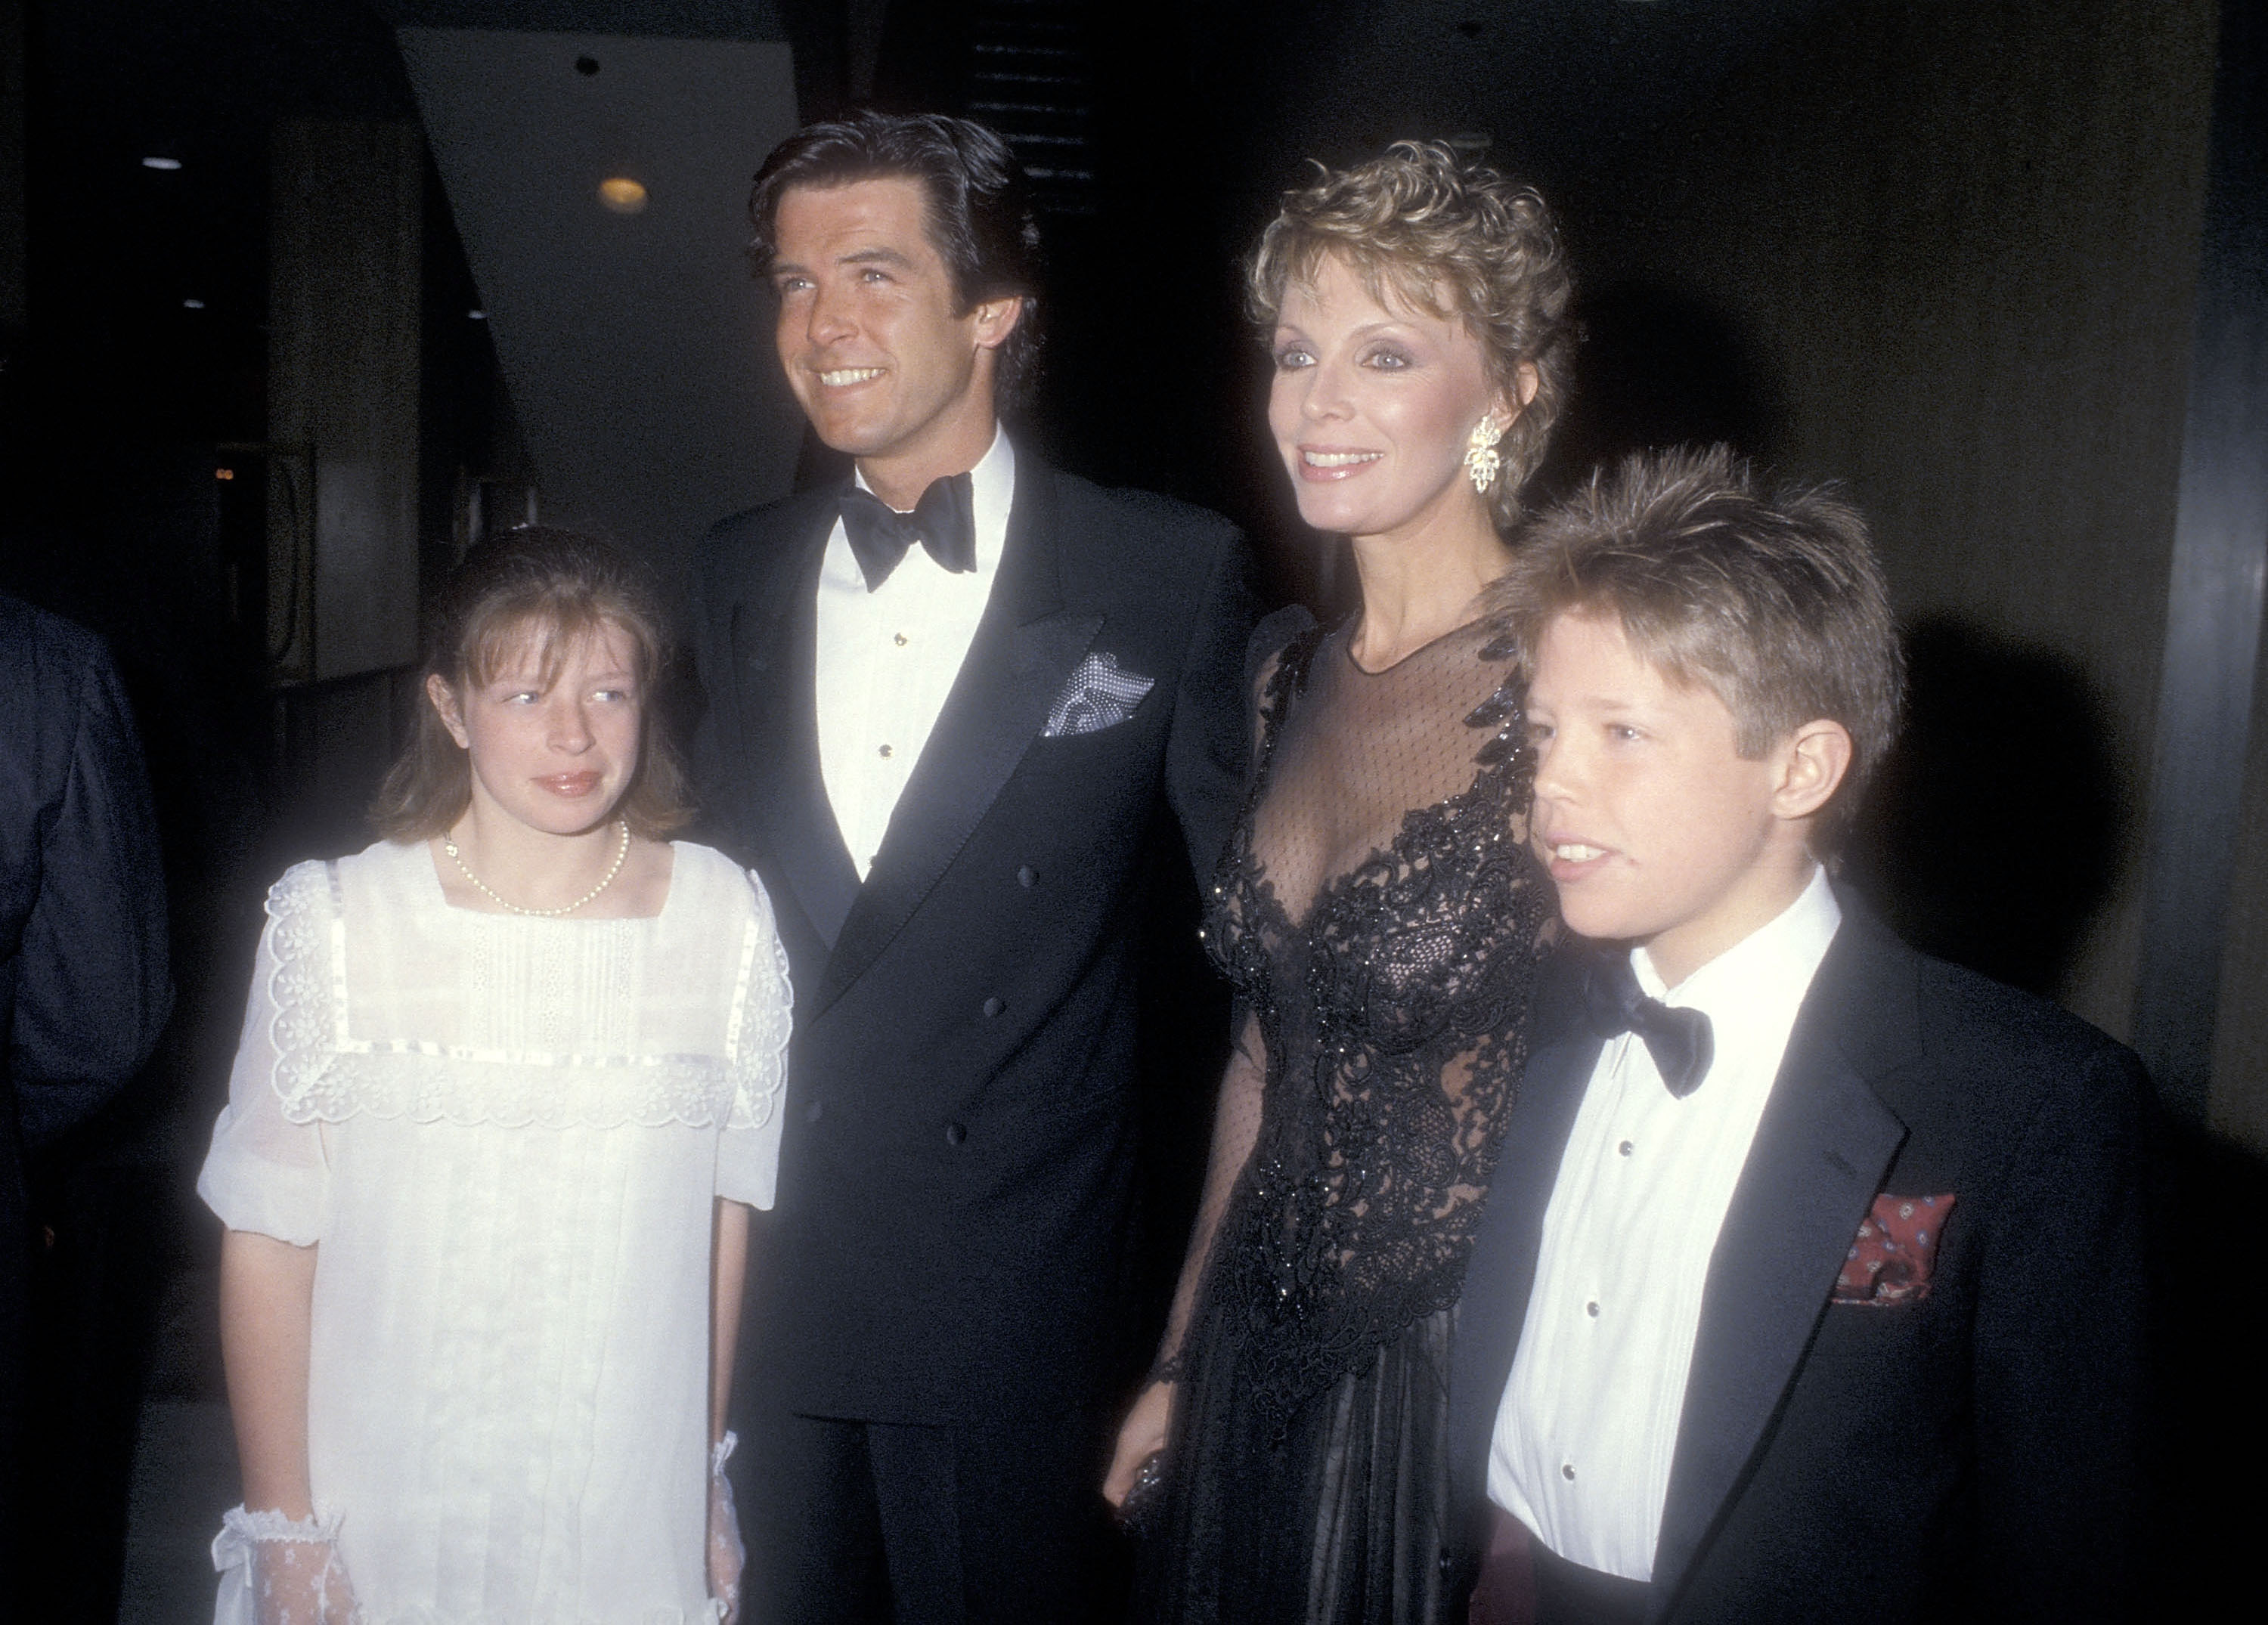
(540, 590)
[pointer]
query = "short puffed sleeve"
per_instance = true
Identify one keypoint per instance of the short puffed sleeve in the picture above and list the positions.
(756, 1038)
(266, 1172)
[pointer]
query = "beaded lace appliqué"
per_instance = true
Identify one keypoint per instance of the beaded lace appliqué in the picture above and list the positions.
(1392, 1016)
(325, 1075)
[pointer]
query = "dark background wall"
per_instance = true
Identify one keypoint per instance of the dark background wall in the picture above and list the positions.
(1961, 245)
(1948, 253)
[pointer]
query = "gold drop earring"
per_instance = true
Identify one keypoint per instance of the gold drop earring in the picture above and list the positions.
(1481, 459)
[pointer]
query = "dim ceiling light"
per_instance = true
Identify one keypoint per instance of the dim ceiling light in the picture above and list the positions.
(622, 195)
(161, 162)
(193, 304)
(476, 315)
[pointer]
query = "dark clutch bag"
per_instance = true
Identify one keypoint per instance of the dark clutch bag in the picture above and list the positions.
(1140, 1514)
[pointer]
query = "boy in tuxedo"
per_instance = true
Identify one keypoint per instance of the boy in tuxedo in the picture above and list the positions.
(1810, 1286)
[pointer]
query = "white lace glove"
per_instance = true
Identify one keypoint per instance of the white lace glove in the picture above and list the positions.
(727, 1557)
(277, 1570)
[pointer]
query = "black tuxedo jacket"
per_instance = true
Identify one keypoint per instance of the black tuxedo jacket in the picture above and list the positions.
(956, 1170)
(1969, 1455)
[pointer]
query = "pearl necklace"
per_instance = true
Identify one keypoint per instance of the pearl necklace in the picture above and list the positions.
(449, 845)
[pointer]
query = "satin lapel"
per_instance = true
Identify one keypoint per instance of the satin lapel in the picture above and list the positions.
(1502, 1271)
(1820, 1151)
(1026, 648)
(774, 651)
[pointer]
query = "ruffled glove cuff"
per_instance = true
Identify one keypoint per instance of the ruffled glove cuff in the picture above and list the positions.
(280, 1571)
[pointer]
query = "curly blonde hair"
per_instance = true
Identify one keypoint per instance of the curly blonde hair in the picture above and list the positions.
(1434, 233)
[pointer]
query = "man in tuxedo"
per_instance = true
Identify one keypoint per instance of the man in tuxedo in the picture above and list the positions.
(1810, 1282)
(947, 701)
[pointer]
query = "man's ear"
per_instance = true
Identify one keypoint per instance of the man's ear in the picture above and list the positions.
(1813, 763)
(444, 700)
(997, 319)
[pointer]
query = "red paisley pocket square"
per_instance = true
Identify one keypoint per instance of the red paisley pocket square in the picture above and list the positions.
(1890, 1258)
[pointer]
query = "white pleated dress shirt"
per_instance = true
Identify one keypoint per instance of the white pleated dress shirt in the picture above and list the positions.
(887, 658)
(1588, 1421)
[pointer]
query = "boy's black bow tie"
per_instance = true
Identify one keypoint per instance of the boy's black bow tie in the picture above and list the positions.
(943, 521)
(1679, 1039)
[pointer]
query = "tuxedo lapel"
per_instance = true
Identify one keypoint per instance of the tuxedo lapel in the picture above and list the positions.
(1822, 1149)
(774, 633)
(1502, 1271)
(1025, 647)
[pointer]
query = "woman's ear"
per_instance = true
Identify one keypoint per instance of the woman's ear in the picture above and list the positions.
(1525, 383)
(1814, 762)
(444, 700)
(1512, 402)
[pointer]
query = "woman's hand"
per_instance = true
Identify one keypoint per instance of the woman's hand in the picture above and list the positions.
(1143, 1436)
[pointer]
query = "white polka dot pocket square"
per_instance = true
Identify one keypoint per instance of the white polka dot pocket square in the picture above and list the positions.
(1102, 694)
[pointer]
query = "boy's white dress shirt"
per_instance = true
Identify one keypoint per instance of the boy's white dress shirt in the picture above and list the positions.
(887, 659)
(1588, 1421)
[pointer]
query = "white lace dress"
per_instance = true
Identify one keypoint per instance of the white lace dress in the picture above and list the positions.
(504, 1135)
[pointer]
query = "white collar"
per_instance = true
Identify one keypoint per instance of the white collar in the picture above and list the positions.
(1770, 966)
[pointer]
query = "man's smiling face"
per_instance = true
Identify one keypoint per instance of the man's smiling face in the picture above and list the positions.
(868, 331)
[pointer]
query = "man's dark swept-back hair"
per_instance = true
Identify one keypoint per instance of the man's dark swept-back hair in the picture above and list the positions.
(981, 216)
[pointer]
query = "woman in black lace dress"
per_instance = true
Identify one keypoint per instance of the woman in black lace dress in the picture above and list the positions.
(1379, 912)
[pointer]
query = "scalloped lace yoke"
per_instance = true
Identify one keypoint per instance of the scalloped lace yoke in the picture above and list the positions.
(437, 1013)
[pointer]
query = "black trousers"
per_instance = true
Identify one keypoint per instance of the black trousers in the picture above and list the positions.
(871, 1523)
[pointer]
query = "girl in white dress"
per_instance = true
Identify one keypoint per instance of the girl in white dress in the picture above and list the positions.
(508, 1087)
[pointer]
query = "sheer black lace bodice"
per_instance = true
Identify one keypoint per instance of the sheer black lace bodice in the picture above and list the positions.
(1380, 917)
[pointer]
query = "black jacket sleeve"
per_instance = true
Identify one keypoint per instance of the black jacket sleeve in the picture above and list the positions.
(91, 987)
(2059, 1354)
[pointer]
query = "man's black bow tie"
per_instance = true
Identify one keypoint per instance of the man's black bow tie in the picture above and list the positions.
(1679, 1041)
(944, 521)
